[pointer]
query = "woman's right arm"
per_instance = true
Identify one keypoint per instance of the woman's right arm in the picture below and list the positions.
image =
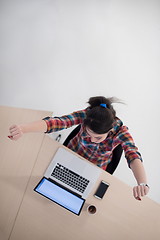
(16, 131)
(48, 124)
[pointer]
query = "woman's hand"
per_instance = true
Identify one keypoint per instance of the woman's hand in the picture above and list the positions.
(142, 188)
(140, 191)
(15, 132)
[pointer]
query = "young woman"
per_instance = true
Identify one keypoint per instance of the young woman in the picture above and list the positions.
(101, 131)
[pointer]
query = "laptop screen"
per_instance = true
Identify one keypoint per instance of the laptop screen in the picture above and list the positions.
(59, 195)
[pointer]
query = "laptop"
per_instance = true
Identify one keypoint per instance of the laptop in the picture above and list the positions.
(68, 180)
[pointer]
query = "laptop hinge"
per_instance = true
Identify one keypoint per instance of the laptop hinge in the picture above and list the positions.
(65, 188)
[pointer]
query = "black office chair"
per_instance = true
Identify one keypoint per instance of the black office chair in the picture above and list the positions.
(117, 152)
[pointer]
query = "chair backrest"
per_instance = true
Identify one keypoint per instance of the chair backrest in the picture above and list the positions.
(116, 156)
(72, 135)
(117, 152)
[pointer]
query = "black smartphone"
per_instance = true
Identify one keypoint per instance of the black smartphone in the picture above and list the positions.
(102, 188)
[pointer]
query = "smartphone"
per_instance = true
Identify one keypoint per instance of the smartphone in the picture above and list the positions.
(102, 188)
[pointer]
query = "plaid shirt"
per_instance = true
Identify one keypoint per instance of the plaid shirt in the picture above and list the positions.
(97, 153)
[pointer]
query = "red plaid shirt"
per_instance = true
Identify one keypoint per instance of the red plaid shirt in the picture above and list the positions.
(98, 153)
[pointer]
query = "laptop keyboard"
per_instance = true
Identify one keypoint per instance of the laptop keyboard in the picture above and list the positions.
(70, 178)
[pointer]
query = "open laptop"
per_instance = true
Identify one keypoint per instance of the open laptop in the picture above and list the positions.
(68, 180)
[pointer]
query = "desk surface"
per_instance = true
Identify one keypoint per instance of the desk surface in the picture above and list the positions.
(27, 215)
(17, 160)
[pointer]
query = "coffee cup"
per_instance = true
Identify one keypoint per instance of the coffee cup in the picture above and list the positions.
(91, 209)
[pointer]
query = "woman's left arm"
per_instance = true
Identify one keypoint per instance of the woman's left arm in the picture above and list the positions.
(138, 170)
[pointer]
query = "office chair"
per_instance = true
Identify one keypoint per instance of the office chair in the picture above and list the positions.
(117, 152)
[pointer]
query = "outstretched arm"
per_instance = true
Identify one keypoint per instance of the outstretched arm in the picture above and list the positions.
(16, 131)
(48, 124)
(139, 172)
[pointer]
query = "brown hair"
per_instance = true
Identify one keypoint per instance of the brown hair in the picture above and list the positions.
(99, 117)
